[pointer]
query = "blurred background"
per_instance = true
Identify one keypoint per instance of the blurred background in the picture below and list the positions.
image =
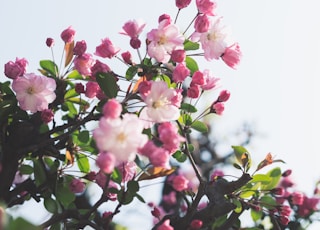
(275, 90)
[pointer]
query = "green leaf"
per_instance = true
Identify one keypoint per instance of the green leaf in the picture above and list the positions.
(64, 195)
(275, 176)
(83, 163)
(247, 194)
(75, 75)
(51, 205)
(180, 156)
(188, 108)
(256, 215)
(191, 64)
(84, 136)
(268, 202)
(131, 72)
(243, 156)
(21, 223)
(39, 173)
(133, 186)
(238, 204)
(108, 84)
(264, 179)
(71, 109)
(50, 67)
(71, 93)
(79, 101)
(185, 119)
(200, 126)
(140, 198)
(26, 169)
(189, 45)
(190, 147)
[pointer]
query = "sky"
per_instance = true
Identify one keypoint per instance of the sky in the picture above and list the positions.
(275, 88)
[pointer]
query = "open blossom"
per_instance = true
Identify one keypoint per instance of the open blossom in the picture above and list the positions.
(83, 64)
(33, 92)
(232, 55)
(180, 183)
(158, 157)
(15, 69)
(92, 89)
(211, 82)
(121, 137)
(133, 28)
(112, 109)
(160, 107)
(164, 40)
(214, 42)
(169, 136)
(106, 49)
(206, 7)
(80, 48)
(180, 73)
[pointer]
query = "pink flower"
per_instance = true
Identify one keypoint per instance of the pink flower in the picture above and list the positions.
(169, 136)
(83, 64)
(133, 28)
(206, 6)
(198, 78)
(159, 105)
(158, 157)
(50, 42)
(47, 115)
(180, 183)
(92, 89)
(196, 224)
(34, 92)
(99, 67)
(163, 41)
(224, 96)
(217, 108)
(77, 186)
(144, 89)
(214, 41)
(128, 170)
(308, 206)
(106, 49)
(106, 162)
(194, 91)
(182, 3)
(127, 57)
(170, 198)
(216, 174)
(202, 23)
(121, 137)
(178, 56)
(232, 55)
(80, 48)
(163, 17)
(297, 198)
(112, 109)
(68, 35)
(15, 69)
(211, 82)
(165, 225)
(79, 88)
(180, 73)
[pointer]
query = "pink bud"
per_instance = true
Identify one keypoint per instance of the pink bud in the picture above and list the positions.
(202, 23)
(77, 186)
(198, 78)
(135, 43)
(287, 173)
(217, 108)
(12, 70)
(182, 3)
(127, 57)
(106, 162)
(224, 96)
(193, 91)
(80, 48)
(284, 220)
(180, 73)
(83, 64)
(206, 6)
(112, 109)
(68, 35)
(232, 55)
(91, 89)
(47, 115)
(99, 67)
(156, 212)
(79, 88)
(180, 183)
(178, 55)
(278, 191)
(196, 224)
(164, 17)
(297, 198)
(49, 42)
(107, 215)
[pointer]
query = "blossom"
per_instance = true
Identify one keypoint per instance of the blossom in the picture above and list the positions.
(83, 64)
(180, 183)
(308, 205)
(77, 186)
(165, 225)
(121, 137)
(106, 49)
(47, 115)
(178, 55)
(232, 55)
(180, 73)
(198, 78)
(34, 92)
(106, 162)
(206, 6)
(169, 136)
(160, 108)
(15, 69)
(68, 35)
(202, 23)
(158, 157)
(194, 91)
(133, 28)
(92, 89)
(80, 48)
(217, 108)
(49, 42)
(164, 40)
(211, 82)
(297, 198)
(224, 96)
(127, 57)
(79, 88)
(128, 170)
(196, 224)
(112, 109)
(182, 3)
(214, 42)
(99, 67)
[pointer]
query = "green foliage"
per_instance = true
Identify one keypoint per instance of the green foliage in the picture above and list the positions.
(49, 68)
(108, 84)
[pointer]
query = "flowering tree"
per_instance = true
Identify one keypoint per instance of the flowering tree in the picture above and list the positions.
(81, 123)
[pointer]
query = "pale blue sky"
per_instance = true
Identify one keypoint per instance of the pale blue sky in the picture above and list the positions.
(276, 86)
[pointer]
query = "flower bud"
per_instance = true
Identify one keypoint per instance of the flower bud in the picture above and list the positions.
(224, 96)
(49, 42)
(232, 55)
(68, 35)
(297, 198)
(182, 3)
(127, 57)
(47, 115)
(202, 23)
(196, 224)
(164, 17)
(287, 173)
(79, 88)
(135, 43)
(156, 212)
(12, 70)
(178, 55)
(217, 108)
(80, 48)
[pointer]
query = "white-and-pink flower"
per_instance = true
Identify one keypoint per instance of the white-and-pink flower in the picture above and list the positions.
(34, 93)
(161, 103)
(121, 137)
(164, 40)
